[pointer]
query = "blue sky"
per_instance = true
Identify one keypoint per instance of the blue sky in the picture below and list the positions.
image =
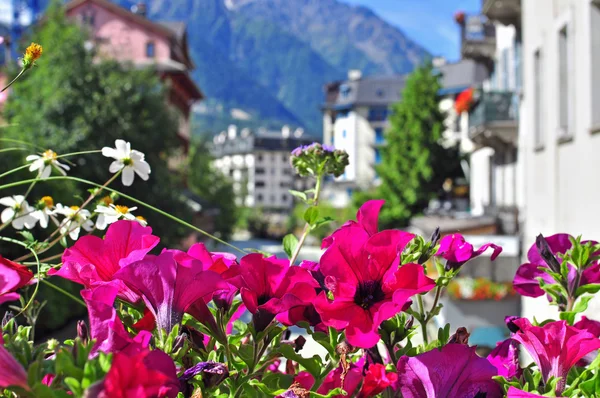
(428, 22)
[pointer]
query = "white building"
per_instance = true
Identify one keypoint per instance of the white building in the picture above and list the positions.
(258, 162)
(355, 117)
(560, 121)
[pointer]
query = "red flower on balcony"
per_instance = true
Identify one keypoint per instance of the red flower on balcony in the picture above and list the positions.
(464, 100)
(459, 17)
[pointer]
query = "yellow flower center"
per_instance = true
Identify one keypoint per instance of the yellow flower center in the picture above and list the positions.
(107, 200)
(141, 218)
(47, 201)
(32, 53)
(122, 209)
(50, 155)
(74, 208)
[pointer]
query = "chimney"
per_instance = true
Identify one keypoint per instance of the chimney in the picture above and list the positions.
(354, 74)
(285, 131)
(438, 62)
(139, 8)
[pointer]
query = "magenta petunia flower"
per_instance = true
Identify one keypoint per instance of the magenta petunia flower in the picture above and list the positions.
(352, 380)
(368, 285)
(92, 261)
(526, 279)
(555, 347)
(377, 379)
(505, 357)
(143, 374)
(13, 276)
(169, 284)
(106, 326)
(11, 371)
(270, 286)
(453, 371)
(457, 251)
(367, 218)
(589, 325)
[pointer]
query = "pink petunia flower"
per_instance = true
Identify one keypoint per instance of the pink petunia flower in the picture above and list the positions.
(92, 261)
(149, 374)
(368, 284)
(453, 371)
(376, 380)
(12, 373)
(526, 279)
(367, 218)
(106, 326)
(352, 380)
(270, 286)
(457, 251)
(505, 357)
(555, 347)
(169, 284)
(13, 276)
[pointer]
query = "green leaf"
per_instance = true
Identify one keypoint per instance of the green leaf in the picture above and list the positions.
(311, 215)
(28, 236)
(592, 288)
(322, 221)
(290, 243)
(312, 365)
(264, 253)
(300, 195)
(582, 304)
(333, 393)
(246, 354)
(568, 316)
(589, 388)
(262, 387)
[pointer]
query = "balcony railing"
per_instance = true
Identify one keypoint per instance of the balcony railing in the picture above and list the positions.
(478, 39)
(507, 12)
(494, 114)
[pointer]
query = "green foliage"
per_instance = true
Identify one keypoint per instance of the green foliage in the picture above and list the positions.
(414, 163)
(213, 187)
(325, 212)
(72, 103)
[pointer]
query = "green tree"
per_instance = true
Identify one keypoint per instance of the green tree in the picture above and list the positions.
(75, 100)
(213, 187)
(414, 163)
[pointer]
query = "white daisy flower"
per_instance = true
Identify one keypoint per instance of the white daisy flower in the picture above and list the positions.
(75, 219)
(45, 163)
(18, 211)
(44, 209)
(128, 160)
(113, 213)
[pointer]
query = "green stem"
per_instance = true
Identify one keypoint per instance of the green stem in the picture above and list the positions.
(13, 149)
(141, 203)
(29, 144)
(15, 79)
(423, 321)
(306, 230)
(45, 282)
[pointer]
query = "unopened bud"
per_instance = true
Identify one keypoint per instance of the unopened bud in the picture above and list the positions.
(344, 348)
(83, 332)
(510, 323)
(195, 337)
(409, 323)
(179, 342)
(9, 316)
(546, 253)
(299, 343)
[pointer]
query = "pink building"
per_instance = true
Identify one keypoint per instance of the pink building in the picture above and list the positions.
(124, 35)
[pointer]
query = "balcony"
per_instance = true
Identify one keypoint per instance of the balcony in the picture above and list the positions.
(478, 39)
(493, 119)
(507, 12)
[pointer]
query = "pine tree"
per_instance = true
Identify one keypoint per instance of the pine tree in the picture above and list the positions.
(414, 163)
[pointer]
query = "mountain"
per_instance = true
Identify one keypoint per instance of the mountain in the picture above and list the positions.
(265, 61)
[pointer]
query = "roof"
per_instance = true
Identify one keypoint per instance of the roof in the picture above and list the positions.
(385, 90)
(253, 140)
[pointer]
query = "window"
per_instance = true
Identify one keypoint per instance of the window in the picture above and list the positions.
(345, 90)
(284, 198)
(377, 156)
(259, 197)
(259, 170)
(150, 50)
(343, 113)
(259, 158)
(284, 158)
(378, 114)
(380, 92)
(538, 99)
(595, 25)
(518, 66)
(379, 138)
(283, 184)
(287, 172)
(88, 17)
(563, 82)
(344, 134)
(259, 184)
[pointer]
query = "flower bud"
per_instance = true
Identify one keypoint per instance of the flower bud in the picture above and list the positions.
(299, 343)
(546, 253)
(179, 342)
(461, 336)
(9, 316)
(195, 337)
(509, 321)
(213, 373)
(82, 332)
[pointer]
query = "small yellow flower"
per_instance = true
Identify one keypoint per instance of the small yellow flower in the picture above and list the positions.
(74, 208)
(107, 200)
(32, 53)
(47, 201)
(122, 209)
(141, 218)
(49, 156)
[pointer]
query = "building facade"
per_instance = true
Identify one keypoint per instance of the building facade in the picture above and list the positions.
(258, 162)
(560, 122)
(129, 36)
(355, 117)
